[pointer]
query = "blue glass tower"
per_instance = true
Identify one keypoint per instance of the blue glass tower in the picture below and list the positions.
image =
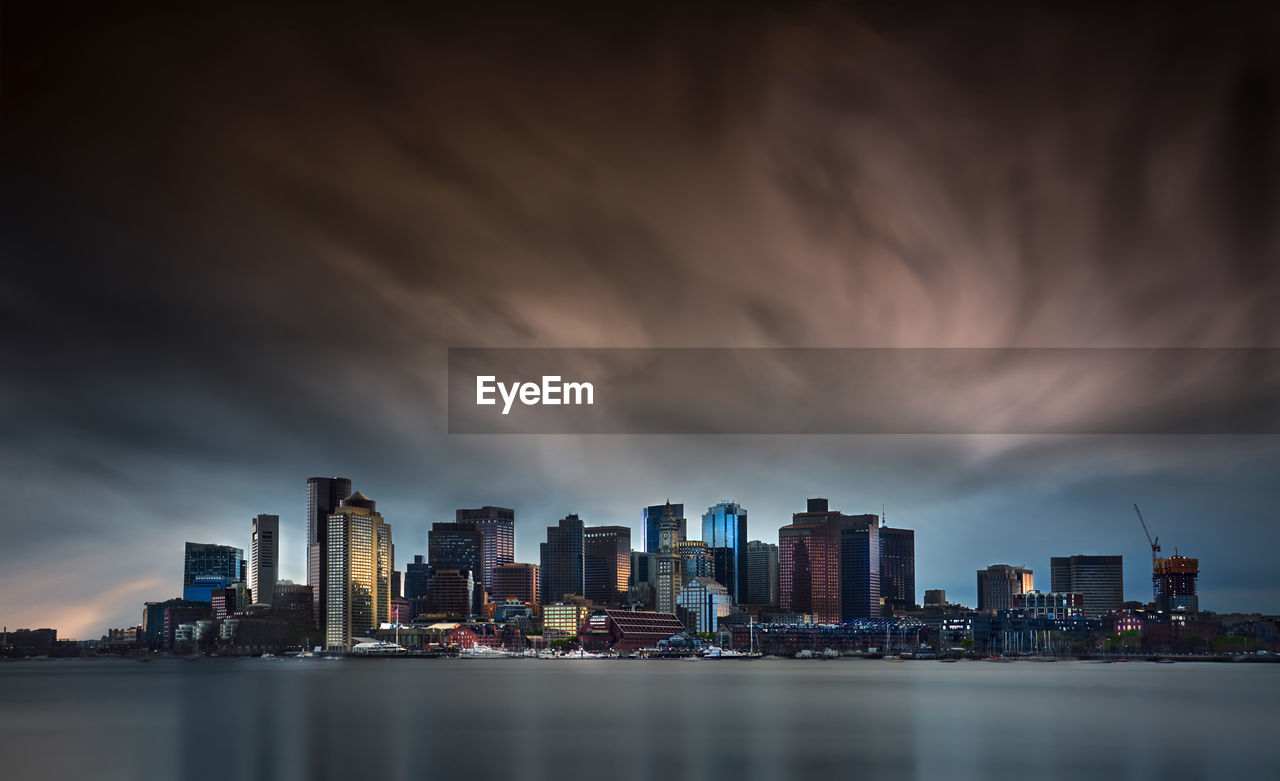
(724, 525)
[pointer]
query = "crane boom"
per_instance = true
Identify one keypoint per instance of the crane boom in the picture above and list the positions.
(1155, 544)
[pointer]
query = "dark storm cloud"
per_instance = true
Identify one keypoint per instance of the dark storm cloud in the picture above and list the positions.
(238, 241)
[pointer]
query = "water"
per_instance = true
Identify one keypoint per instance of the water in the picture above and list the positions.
(230, 719)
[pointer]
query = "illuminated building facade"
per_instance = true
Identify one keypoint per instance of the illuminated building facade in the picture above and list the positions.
(695, 560)
(358, 582)
(606, 554)
(1055, 604)
(561, 619)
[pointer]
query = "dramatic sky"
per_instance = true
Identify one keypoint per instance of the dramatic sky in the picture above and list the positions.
(237, 242)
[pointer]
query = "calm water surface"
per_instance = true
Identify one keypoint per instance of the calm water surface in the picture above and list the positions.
(770, 719)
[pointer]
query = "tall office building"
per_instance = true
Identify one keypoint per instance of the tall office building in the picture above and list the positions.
(998, 584)
(606, 554)
(652, 515)
(516, 581)
(562, 567)
(460, 546)
(829, 564)
(897, 569)
(667, 577)
(358, 579)
(264, 562)
(1099, 579)
(323, 496)
(1173, 581)
(762, 573)
(498, 525)
(724, 525)
(206, 567)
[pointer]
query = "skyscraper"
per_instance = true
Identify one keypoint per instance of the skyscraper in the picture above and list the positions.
(607, 563)
(1100, 579)
(829, 564)
(323, 496)
(667, 578)
(695, 560)
(459, 546)
(724, 525)
(897, 569)
(762, 573)
(207, 566)
(358, 579)
(498, 525)
(562, 566)
(651, 515)
(998, 584)
(264, 562)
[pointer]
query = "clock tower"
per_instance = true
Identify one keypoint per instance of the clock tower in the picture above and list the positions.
(668, 576)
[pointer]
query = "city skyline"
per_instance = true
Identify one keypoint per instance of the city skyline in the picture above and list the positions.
(955, 591)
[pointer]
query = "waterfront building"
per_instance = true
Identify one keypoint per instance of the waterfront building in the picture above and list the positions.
(650, 518)
(292, 604)
(264, 561)
(562, 567)
(829, 564)
(561, 619)
(358, 554)
(762, 574)
(724, 525)
(1100, 579)
(207, 566)
(627, 631)
(606, 563)
(999, 583)
(323, 496)
(497, 525)
(897, 569)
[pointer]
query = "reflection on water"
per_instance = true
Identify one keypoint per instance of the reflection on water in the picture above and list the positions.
(565, 720)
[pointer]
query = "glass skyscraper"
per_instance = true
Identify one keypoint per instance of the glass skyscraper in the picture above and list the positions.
(358, 581)
(323, 496)
(264, 562)
(724, 525)
(562, 567)
(498, 525)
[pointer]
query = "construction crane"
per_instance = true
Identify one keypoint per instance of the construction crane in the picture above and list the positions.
(1155, 544)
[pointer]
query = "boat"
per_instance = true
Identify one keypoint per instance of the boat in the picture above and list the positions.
(482, 652)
